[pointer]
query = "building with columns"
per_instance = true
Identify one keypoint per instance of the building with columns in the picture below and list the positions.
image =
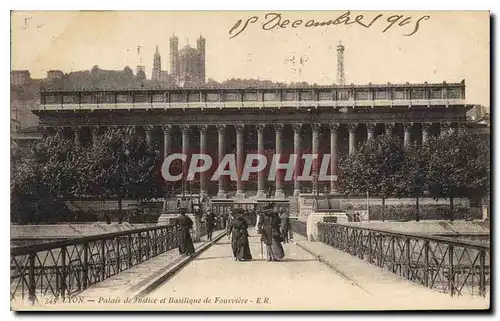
(321, 120)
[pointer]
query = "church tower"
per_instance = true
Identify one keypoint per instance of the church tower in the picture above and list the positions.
(174, 57)
(200, 45)
(156, 65)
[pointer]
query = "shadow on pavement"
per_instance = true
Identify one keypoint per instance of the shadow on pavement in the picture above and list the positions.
(221, 243)
(282, 261)
(212, 258)
(298, 260)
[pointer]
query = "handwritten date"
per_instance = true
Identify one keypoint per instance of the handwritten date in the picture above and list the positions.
(275, 21)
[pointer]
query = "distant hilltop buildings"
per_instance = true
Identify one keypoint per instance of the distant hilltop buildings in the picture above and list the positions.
(19, 77)
(187, 66)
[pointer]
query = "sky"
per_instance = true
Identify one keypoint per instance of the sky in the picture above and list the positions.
(448, 46)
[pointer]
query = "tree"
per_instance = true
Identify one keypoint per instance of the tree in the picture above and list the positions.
(121, 165)
(95, 70)
(411, 178)
(212, 82)
(372, 168)
(117, 165)
(458, 166)
(128, 73)
(41, 178)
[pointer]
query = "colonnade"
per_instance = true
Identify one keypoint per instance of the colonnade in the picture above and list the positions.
(278, 128)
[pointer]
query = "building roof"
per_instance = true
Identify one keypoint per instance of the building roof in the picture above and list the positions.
(20, 72)
(276, 86)
(188, 50)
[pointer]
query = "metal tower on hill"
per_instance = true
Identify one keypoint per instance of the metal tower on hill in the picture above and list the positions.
(340, 64)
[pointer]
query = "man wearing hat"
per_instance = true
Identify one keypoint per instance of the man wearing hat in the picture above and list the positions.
(210, 221)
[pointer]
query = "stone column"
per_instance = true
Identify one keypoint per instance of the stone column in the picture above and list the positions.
(370, 130)
(221, 129)
(167, 139)
(278, 193)
(407, 134)
(261, 193)
(333, 152)
(388, 128)
(78, 131)
(239, 160)
(296, 150)
(95, 132)
(352, 137)
(167, 142)
(315, 142)
(149, 135)
(425, 132)
(185, 150)
(203, 150)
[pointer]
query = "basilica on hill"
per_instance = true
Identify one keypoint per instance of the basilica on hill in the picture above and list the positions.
(187, 65)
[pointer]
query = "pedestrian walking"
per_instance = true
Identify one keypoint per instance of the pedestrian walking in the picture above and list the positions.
(238, 228)
(209, 221)
(269, 228)
(284, 225)
(185, 224)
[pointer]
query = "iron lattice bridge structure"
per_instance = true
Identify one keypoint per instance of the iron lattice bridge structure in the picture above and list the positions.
(454, 267)
(65, 268)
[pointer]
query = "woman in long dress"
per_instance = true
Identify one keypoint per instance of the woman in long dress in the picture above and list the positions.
(239, 238)
(269, 228)
(185, 224)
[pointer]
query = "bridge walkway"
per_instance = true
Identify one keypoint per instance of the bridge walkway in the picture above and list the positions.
(300, 282)
(313, 276)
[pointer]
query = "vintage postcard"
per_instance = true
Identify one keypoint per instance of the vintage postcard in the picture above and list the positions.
(250, 160)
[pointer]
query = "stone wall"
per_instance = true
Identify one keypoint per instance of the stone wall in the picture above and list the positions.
(396, 209)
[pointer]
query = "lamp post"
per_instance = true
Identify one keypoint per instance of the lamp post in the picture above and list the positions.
(315, 190)
(367, 203)
(315, 175)
(183, 186)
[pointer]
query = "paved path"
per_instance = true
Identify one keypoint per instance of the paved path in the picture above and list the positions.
(132, 281)
(301, 282)
(388, 290)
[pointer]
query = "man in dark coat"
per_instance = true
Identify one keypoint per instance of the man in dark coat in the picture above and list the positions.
(185, 224)
(285, 225)
(210, 221)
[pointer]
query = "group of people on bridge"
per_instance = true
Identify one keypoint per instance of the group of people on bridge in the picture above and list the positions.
(272, 225)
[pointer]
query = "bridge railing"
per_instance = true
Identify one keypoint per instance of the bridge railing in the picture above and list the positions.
(446, 265)
(64, 268)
